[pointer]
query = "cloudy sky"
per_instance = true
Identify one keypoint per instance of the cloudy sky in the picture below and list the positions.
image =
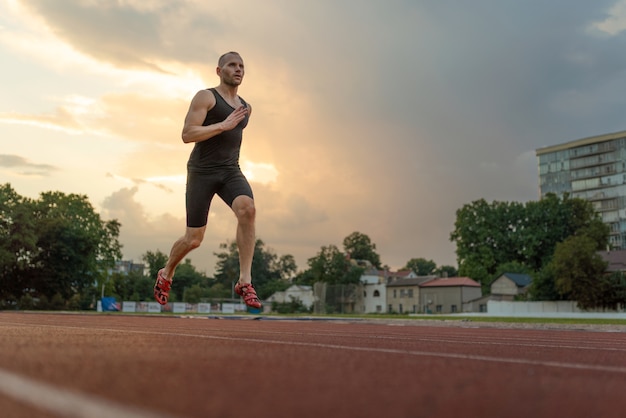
(382, 117)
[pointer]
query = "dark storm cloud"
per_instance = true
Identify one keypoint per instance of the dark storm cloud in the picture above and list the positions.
(437, 104)
(132, 35)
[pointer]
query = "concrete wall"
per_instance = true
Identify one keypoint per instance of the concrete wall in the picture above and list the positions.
(547, 309)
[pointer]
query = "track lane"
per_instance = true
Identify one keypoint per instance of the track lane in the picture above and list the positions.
(316, 368)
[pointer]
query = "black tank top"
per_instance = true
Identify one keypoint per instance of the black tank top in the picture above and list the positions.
(221, 150)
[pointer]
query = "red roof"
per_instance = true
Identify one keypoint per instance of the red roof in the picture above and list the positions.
(451, 281)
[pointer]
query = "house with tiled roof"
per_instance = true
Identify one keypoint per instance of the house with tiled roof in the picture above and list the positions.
(510, 286)
(403, 292)
(448, 294)
(375, 295)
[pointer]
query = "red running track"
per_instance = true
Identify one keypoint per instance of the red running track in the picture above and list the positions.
(87, 365)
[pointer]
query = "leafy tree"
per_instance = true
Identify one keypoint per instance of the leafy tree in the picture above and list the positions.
(293, 306)
(551, 220)
(358, 246)
(287, 266)
(266, 267)
(543, 286)
(333, 267)
(421, 266)
(75, 247)
(447, 271)
(155, 261)
(219, 291)
(485, 237)
(186, 276)
(141, 286)
(489, 235)
(615, 294)
(579, 271)
(227, 265)
(195, 293)
(119, 286)
(276, 285)
(18, 242)
(512, 267)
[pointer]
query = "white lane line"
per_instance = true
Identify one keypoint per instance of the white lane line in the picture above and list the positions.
(65, 403)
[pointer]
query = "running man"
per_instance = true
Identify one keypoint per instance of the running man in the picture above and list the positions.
(215, 123)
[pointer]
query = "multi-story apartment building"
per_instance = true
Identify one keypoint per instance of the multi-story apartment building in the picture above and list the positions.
(594, 169)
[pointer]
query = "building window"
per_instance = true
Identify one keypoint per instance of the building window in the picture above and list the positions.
(379, 308)
(438, 308)
(410, 293)
(400, 309)
(482, 307)
(376, 293)
(453, 308)
(394, 293)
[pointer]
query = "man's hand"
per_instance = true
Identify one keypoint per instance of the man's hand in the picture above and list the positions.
(234, 118)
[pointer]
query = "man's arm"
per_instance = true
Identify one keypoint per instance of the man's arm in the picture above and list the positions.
(203, 101)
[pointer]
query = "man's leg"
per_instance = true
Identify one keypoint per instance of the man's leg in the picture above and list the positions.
(184, 245)
(243, 207)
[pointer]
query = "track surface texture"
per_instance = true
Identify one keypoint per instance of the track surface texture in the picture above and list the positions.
(87, 365)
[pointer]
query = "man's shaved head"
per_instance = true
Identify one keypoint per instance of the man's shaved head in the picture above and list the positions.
(222, 60)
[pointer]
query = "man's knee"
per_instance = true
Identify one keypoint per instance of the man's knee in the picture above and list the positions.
(193, 237)
(244, 209)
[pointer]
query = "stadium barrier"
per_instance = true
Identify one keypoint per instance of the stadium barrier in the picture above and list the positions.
(175, 307)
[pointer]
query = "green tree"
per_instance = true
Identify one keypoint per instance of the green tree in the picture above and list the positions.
(195, 294)
(74, 247)
(287, 266)
(331, 266)
(18, 242)
(155, 261)
(543, 286)
(266, 267)
(186, 276)
(490, 235)
(579, 272)
(485, 237)
(358, 246)
(421, 266)
(120, 286)
(447, 271)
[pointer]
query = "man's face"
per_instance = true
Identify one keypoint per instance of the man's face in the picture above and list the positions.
(232, 71)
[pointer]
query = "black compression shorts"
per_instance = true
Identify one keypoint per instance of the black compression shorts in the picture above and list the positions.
(228, 183)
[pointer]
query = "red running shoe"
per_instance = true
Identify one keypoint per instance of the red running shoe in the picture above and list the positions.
(162, 288)
(247, 292)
